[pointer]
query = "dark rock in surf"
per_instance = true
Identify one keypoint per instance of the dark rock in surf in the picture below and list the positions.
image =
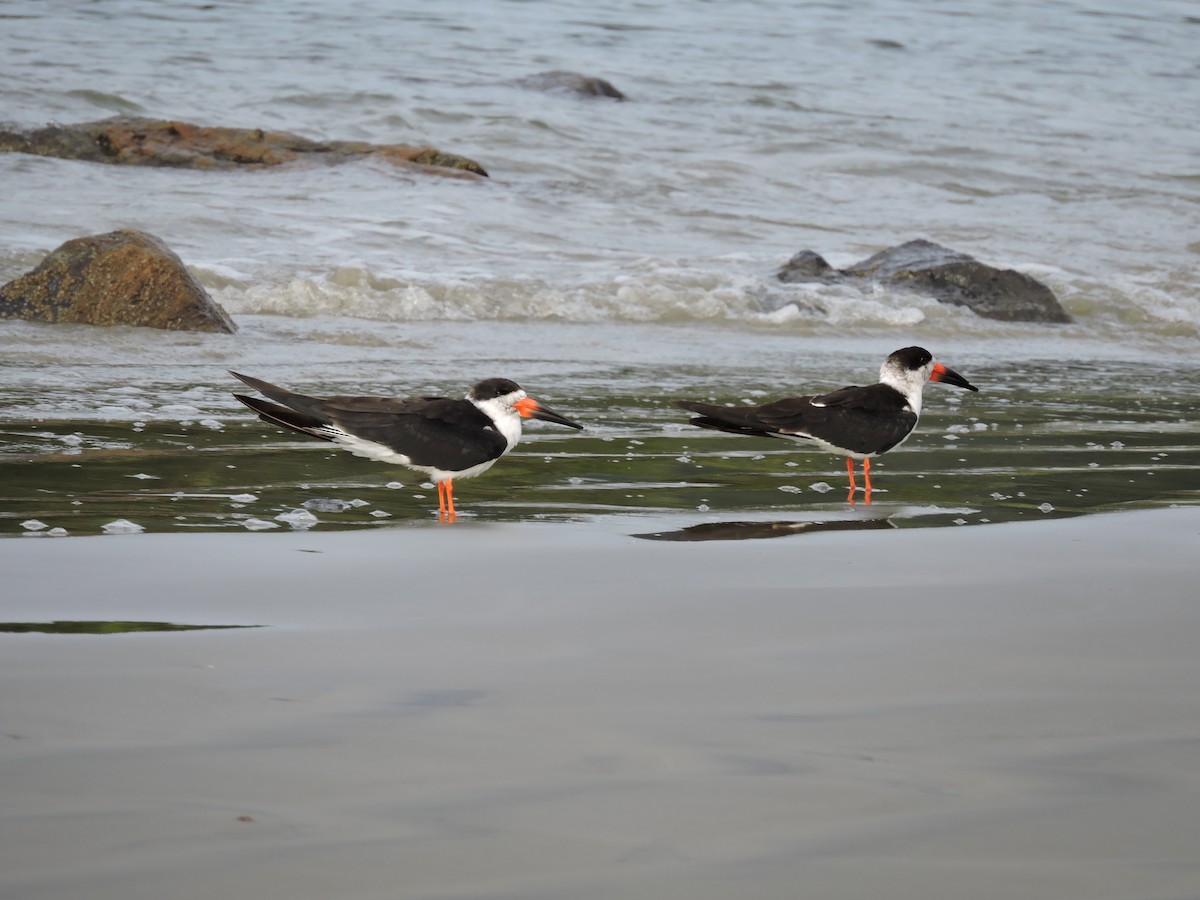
(944, 274)
(119, 278)
(571, 83)
(808, 265)
(136, 141)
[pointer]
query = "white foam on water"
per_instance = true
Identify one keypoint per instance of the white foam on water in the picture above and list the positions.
(122, 526)
(299, 519)
(255, 524)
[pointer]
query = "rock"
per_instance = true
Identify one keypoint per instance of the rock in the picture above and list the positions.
(153, 142)
(807, 265)
(571, 83)
(119, 278)
(945, 274)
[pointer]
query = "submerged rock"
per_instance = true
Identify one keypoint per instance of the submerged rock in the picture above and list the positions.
(944, 274)
(119, 278)
(137, 141)
(807, 265)
(571, 83)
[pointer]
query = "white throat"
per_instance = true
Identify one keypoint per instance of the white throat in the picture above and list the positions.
(909, 382)
(502, 411)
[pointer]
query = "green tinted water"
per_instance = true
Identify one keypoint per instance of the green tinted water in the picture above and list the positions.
(1037, 441)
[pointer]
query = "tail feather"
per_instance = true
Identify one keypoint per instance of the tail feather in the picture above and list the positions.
(728, 427)
(274, 414)
(310, 406)
(730, 419)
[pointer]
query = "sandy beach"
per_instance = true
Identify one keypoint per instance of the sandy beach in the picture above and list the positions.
(529, 710)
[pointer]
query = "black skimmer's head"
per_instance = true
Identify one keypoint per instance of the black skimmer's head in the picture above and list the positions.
(438, 436)
(504, 401)
(907, 370)
(855, 422)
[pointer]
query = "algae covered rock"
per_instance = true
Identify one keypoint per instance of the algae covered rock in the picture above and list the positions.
(119, 278)
(134, 141)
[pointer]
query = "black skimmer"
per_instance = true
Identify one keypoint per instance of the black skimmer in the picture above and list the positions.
(855, 422)
(440, 436)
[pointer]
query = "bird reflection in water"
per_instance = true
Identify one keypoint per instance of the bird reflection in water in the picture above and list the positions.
(749, 531)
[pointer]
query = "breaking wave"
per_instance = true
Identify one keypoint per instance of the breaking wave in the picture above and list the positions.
(1165, 308)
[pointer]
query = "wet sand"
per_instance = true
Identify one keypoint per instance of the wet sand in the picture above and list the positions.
(565, 711)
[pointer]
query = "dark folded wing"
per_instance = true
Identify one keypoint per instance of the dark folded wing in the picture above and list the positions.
(866, 420)
(448, 434)
(859, 430)
(879, 398)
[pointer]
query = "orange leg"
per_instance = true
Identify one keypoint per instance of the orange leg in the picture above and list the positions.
(445, 501)
(867, 479)
(850, 472)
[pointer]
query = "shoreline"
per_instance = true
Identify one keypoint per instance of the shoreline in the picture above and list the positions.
(253, 560)
(541, 710)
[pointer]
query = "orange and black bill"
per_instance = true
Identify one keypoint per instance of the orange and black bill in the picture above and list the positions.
(949, 376)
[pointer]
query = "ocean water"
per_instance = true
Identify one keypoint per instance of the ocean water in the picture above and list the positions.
(1054, 138)
(622, 253)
